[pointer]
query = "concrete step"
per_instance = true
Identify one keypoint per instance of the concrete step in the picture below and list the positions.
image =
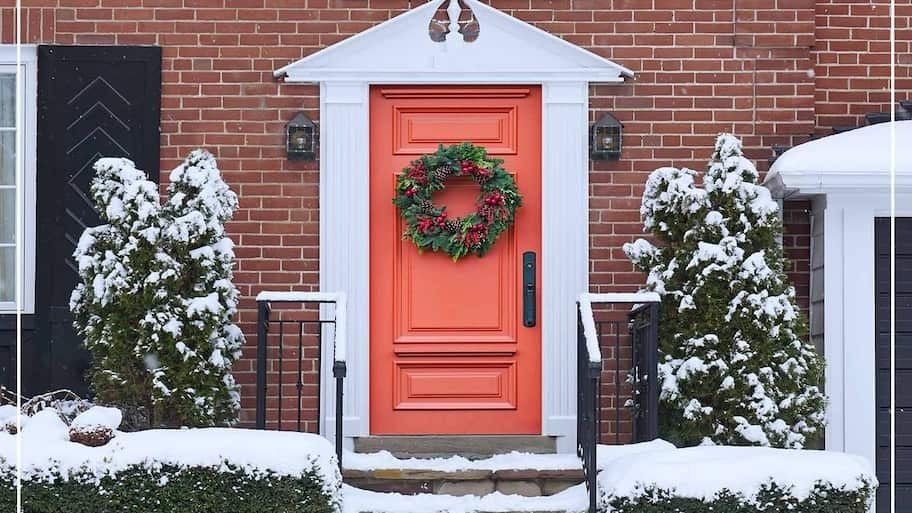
(524, 482)
(470, 447)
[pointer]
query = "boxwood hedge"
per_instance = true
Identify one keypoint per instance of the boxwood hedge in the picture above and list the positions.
(170, 489)
(771, 498)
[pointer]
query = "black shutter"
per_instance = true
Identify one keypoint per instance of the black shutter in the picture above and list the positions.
(92, 102)
(901, 285)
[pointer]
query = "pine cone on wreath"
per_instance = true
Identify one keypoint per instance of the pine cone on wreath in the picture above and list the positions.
(452, 226)
(426, 207)
(441, 173)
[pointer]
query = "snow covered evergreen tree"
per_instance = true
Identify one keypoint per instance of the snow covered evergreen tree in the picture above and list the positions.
(198, 342)
(732, 365)
(156, 302)
(115, 261)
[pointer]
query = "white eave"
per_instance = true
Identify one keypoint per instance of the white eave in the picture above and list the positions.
(855, 161)
(507, 50)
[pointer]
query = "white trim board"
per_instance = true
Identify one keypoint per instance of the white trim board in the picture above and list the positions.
(512, 52)
(28, 73)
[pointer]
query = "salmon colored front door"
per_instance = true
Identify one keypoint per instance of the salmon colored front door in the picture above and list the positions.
(450, 353)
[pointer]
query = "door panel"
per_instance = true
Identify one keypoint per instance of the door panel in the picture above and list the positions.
(449, 353)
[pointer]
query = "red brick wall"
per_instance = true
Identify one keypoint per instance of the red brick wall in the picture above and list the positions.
(772, 71)
(796, 240)
(852, 59)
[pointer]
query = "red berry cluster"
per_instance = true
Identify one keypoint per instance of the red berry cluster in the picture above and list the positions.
(475, 235)
(495, 199)
(427, 224)
(468, 167)
(418, 173)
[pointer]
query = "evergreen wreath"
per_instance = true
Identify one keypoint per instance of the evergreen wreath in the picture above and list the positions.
(429, 225)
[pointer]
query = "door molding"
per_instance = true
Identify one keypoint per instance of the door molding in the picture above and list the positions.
(507, 51)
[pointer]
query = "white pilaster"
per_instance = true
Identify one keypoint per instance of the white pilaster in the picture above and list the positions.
(849, 336)
(345, 242)
(565, 249)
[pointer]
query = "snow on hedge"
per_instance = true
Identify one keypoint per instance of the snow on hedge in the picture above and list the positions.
(703, 472)
(608, 454)
(47, 453)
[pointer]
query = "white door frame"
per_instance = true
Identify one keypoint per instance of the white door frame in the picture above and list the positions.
(345, 244)
(507, 51)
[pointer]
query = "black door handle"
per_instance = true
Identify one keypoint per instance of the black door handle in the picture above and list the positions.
(529, 289)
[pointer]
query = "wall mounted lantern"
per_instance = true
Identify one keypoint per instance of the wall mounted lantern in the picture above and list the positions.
(301, 138)
(605, 138)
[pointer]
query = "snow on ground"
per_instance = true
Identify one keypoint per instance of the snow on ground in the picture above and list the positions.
(701, 472)
(355, 500)
(45, 445)
(8, 413)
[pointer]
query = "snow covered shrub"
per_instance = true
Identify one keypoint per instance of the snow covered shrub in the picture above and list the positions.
(196, 339)
(733, 367)
(209, 470)
(7, 484)
(737, 480)
(770, 499)
(115, 262)
(156, 299)
(170, 489)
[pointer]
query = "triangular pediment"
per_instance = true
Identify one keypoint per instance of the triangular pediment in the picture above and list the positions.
(506, 50)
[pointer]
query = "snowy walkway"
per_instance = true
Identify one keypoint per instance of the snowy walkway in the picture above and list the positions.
(573, 500)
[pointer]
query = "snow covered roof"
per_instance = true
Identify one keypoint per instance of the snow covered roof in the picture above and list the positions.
(507, 50)
(856, 160)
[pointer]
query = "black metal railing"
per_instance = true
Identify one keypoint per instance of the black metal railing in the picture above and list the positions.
(278, 360)
(612, 333)
(588, 396)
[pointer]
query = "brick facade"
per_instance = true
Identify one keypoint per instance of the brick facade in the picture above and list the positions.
(772, 71)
